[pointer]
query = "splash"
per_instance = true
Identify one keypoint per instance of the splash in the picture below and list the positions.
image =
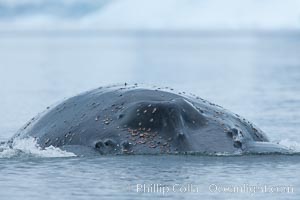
(292, 145)
(29, 147)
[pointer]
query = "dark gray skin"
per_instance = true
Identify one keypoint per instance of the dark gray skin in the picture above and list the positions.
(134, 120)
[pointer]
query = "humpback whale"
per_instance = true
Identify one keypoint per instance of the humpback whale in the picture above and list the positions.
(129, 119)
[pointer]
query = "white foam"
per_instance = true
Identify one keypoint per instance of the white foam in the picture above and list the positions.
(292, 145)
(29, 146)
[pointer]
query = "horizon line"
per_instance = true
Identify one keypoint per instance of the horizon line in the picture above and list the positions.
(150, 33)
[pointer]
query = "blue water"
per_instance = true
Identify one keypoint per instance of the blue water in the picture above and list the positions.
(256, 76)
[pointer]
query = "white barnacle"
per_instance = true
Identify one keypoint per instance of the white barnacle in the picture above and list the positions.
(154, 110)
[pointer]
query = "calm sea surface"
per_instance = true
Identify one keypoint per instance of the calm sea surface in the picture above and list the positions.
(256, 76)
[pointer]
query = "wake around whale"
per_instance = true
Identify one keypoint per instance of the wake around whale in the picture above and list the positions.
(129, 119)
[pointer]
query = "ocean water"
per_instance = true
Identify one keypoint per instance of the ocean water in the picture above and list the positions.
(256, 75)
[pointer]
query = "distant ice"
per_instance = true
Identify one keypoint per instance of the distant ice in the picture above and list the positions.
(150, 15)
